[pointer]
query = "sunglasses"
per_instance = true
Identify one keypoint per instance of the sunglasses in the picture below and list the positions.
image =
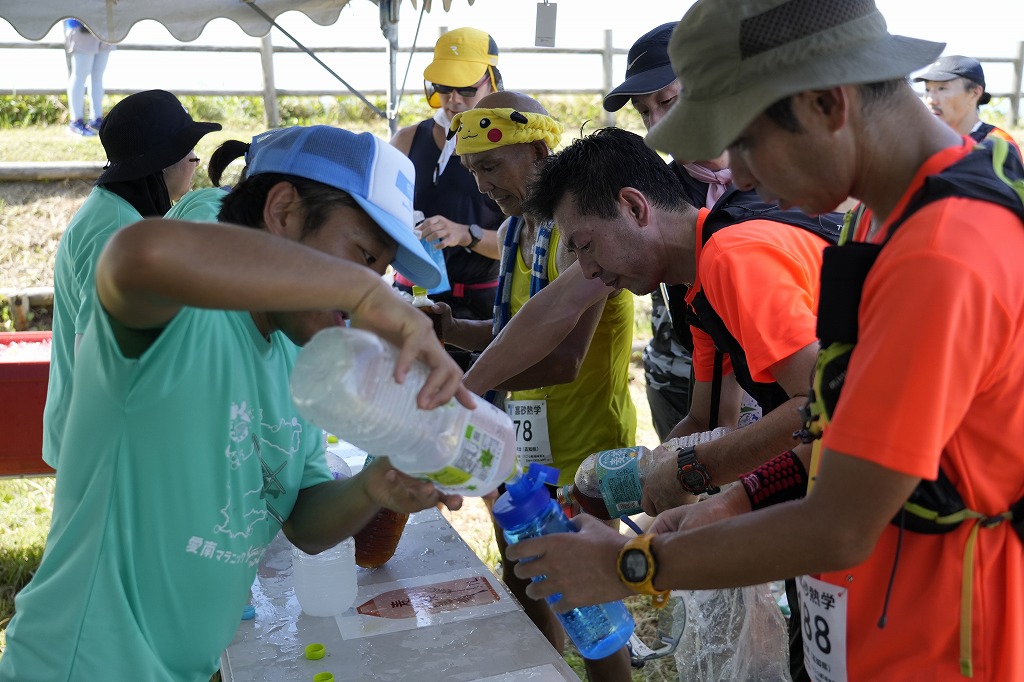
(463, 92)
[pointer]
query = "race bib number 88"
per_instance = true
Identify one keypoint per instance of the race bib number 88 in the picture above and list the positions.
(823, 609)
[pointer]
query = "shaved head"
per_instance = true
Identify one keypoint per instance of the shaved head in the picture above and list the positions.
(511, 100)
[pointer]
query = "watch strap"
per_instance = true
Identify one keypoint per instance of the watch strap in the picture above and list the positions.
(475, 233)
(686, 461)
(646, 586)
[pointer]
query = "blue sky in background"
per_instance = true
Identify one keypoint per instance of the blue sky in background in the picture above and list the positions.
(990, 28)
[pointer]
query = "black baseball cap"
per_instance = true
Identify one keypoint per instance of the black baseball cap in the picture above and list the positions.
(648, 68)
(957, 66)
(147, 132)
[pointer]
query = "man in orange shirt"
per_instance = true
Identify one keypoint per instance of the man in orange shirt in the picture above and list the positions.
(630, 225)
(954, 89)
(812, 103)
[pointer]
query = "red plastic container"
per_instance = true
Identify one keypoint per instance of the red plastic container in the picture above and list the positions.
(22, 397)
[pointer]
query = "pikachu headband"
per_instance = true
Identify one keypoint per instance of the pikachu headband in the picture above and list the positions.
(479, 130)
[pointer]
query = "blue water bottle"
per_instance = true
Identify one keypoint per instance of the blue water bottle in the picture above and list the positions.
(526, 510)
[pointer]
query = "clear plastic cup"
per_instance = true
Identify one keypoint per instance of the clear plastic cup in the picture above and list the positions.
(325, 583)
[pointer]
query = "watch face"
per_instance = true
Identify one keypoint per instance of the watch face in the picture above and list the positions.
(694, 480)
(634, 566)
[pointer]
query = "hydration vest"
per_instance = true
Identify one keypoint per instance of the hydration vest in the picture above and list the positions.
(989, 173)
(982, 131)
(733, 208)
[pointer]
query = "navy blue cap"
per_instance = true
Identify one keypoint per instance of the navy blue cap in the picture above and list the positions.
(648, 68)
(957, 66)
(526, 497)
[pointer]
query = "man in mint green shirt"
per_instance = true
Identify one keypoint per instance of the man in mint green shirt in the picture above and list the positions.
(183, 454)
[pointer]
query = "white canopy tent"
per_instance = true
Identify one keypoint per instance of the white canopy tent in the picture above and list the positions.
(110, 20)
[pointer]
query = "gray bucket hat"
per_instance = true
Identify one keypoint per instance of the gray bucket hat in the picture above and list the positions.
(735, 58)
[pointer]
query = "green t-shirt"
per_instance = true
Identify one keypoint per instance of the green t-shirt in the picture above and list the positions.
(199, 205)
(178, 469)
(102, 214)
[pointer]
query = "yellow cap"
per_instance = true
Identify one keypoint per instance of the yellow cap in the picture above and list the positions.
(461, 57)
(315, 651)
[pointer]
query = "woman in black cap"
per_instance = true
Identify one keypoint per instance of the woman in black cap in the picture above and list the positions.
(149, 139)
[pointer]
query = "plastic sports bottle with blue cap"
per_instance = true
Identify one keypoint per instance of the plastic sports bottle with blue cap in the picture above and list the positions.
(344, 382)
(526, 510)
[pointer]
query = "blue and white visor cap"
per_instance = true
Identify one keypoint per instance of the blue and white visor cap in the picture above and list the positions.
(379, 177)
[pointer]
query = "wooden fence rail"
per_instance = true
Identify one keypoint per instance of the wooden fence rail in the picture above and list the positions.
(270, 92)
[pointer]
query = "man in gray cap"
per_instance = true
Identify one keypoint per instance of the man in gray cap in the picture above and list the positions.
(811, 99)
(954, 89)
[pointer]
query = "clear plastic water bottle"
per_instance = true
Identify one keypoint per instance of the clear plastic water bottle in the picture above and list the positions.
(610, 483)
(343, 382)
(526, 510)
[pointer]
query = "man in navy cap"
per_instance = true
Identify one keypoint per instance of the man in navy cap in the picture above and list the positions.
(954, 88)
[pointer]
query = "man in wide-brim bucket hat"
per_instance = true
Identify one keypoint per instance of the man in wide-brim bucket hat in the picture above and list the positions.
(905, 531)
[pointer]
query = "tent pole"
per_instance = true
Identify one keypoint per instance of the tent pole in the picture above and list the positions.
(389, 27)
(271, 114)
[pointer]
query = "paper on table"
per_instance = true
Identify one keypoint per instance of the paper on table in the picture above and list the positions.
(423, 612)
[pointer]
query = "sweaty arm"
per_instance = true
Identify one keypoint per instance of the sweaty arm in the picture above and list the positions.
(742, 450)
(327, 513)
(738, 452)
(698, 418)
(835, 527)
(151, 269)
(546, 340)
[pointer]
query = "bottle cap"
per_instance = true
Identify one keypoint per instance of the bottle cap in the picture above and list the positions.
(323, 677)
(315, 651)
(249, 612)
(525, 497)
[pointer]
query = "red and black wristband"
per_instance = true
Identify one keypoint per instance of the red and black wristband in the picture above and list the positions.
(780, 480)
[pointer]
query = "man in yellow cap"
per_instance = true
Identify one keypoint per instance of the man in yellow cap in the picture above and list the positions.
(458, 218)
(576, 400)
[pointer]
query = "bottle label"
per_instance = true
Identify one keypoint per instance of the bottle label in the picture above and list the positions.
(530, 417)
(618, 477)
(475, 464)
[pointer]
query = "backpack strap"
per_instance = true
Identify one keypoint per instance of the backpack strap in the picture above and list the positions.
(716, 391)
(989, 173)
(733, 208)
(981, 132)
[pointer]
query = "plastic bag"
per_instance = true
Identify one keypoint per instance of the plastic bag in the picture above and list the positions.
(732, 635)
